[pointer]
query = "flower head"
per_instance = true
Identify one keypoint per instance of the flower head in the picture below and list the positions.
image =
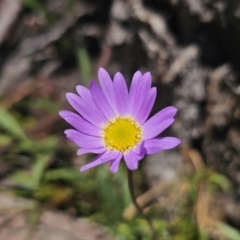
(112, 121)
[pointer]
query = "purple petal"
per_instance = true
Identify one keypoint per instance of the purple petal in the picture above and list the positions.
(154, 128)
(100, 159)
(88, 110)
(82, 151)
(158, 144)
(138, 90)
(115, 163)
(83, 140)
(121, 93)
(80, 124)
(138, 148)
(65, 113)
(107, 88)
(168, 112)
(100, 101)
(146, 106)
(94, 93)
(155, 123)
(85, 95)
(131, 160)
(83, 92)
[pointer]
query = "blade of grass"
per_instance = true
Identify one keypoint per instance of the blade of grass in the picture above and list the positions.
(229, 232)
(39, 167)
(84, 65)
(11, 125)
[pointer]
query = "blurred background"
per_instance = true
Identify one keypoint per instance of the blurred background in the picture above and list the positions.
(191, 47)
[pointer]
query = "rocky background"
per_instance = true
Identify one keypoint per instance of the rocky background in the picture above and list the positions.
(191, 47)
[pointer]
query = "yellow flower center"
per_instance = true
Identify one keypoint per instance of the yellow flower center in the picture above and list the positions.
(122, 134)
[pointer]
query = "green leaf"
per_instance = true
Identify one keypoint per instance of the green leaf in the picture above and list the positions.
(84, 64)
(220, 180)
(31, 180)
(34, 5)
(229, 232)
(39, 167)
(45, 145)
(23, 180)
(10, 124)
(65, 174)
(44, 104)
(5, 140)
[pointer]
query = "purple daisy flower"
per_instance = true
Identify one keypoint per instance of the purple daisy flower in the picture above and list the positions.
(112, 121)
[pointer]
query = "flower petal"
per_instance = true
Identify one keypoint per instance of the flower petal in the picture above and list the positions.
(80, 124)
(131, 159)
(138, 90)
(168, 112)
(115, 163)
(100, 159)
(83, 140)
(100, 101)
(138, 148)
(146, 106)
(94, 93)
(152, 129)
(82, 151)
(157, 122)
(121, 93)
(89, 111)
(64, 113)
(83, 92)
(107, 87)
(152, 146)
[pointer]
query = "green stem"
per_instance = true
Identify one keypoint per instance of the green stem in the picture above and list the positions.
(131, 190)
